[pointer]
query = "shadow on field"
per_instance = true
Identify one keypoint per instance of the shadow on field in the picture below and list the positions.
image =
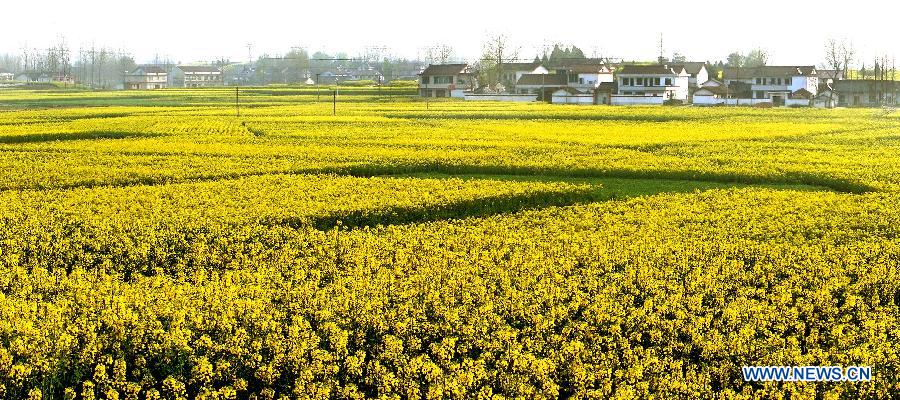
(600, 190)
(787, 178)
(54, 137)
(482, 207)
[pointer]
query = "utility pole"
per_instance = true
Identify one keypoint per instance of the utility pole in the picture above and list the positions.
(334, 103)
(237, 100)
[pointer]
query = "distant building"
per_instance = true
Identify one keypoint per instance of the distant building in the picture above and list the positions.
(866, 93)
(587, 77)
(542, 84)
(604, 92)
(697, 71)
(774, 84)
(657, 82)
(446, 80)
(828, 76)
(196, 76)
(6, 76)
(511, 72)
(146, 77)
(33, 77)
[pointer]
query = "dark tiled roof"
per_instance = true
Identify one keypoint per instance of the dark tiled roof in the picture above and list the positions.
(446, 69)
(198, 68)
(829, 74)
(542, 80)
(769, 71)
(520, 66)
(647, 70)
(862, 85)
(611, 87)
(718, 90)
(692, 68)
(801, 93)
(570, 90)
(588, 68)
(149, 69)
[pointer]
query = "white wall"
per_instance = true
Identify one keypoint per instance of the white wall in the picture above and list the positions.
(572, 99)
(501, 97)
(621, 100)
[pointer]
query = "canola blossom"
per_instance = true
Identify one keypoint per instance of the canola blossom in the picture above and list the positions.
(154, 245)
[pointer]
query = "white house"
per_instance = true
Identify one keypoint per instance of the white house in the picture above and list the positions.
(651, 84)
(774, 84)
(6, 76)
(511, 72)
(570, 95)
(146, 77)
(587, 77)
(446, 80)
(201, 76)
(540, 84)
(697, 71)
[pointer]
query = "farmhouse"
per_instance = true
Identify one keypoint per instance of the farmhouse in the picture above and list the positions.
(866, 92)
(774, 84)
(651, 84)
(146, 77)
(511, 72)
(446, 80)
(697, 71)
(6, 76)
(542, 84)
(196, 76)
(587, 77)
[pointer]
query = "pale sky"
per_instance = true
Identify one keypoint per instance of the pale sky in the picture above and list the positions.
(793, 32)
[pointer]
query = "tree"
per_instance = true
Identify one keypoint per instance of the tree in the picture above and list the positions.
(497, 51)
(562, 54)
(756, 58)
(838, 56)
(735, 60)
(679, 58)
(439, 54)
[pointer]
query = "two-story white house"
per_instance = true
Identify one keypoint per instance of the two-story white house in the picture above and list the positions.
(6, 76)
(775, 84)
(587, 77)
(196, 76)
(146, 77)
(661, 82)
(447, 80)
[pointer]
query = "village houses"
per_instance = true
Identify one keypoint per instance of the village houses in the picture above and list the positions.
(772, 84)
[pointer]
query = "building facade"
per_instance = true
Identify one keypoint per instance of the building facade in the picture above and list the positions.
(197, 76)
(657, 81)
(146, 78)
(447, 80)
(866, 93)
(774, 84)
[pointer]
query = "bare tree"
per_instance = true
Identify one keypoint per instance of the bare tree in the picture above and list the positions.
(497, 51)
(439, 54)
(838, 56)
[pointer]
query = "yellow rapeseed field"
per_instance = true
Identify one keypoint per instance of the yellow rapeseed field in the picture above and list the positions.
(156, 245)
